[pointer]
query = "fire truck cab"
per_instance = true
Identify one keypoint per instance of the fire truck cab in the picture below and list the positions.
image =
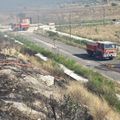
(101, 49)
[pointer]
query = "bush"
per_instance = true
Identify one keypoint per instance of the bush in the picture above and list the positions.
(51, 34)
(114, 4)
(98, 108)
(68, 109)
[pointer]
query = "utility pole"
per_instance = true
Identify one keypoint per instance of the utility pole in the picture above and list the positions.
(108, 2)
(38, 18)
(103, 15)
(70, 24)
(70, 18)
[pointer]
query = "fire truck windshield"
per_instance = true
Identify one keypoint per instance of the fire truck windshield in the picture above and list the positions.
(109, 46)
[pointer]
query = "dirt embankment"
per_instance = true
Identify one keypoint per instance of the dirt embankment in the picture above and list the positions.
(26, 90)
(31, 89)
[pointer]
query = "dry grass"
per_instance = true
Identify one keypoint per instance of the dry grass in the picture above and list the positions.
(78, 13)
(49, 66)
(100, 32)
(98, 107)
(10, 51)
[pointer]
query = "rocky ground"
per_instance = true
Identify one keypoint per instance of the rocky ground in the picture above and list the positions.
(28, 92)
(23, 90)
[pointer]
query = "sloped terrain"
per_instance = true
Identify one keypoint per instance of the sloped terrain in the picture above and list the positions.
(31, 89)
(23, 92)
(27, 93)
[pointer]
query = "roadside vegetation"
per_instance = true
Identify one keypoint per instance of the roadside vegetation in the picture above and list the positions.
(97, 84)
(64, 39)
(99, 108)
(110, 32)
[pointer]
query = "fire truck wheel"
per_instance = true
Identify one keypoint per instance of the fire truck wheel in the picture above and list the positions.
(99, 55)
(90, 53)
(110, 58)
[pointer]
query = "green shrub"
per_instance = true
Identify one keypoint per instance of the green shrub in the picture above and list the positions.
(114, 4)
(51, 34)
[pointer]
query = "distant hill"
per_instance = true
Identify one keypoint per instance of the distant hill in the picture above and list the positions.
(7, 5)
(17, 4)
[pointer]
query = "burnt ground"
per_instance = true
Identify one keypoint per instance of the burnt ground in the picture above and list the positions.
(24, 95)
(21, 90)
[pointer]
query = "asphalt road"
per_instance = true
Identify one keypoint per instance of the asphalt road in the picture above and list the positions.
(75, 53)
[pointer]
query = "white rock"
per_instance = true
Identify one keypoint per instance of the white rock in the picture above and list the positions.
(19, 42)
(72, 74)
(6, 36)
(31, 80)
(118, 96)
(49, 80)
(41, 57)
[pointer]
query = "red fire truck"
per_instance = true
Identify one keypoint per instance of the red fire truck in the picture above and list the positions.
(101, 49)
(22, 26)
